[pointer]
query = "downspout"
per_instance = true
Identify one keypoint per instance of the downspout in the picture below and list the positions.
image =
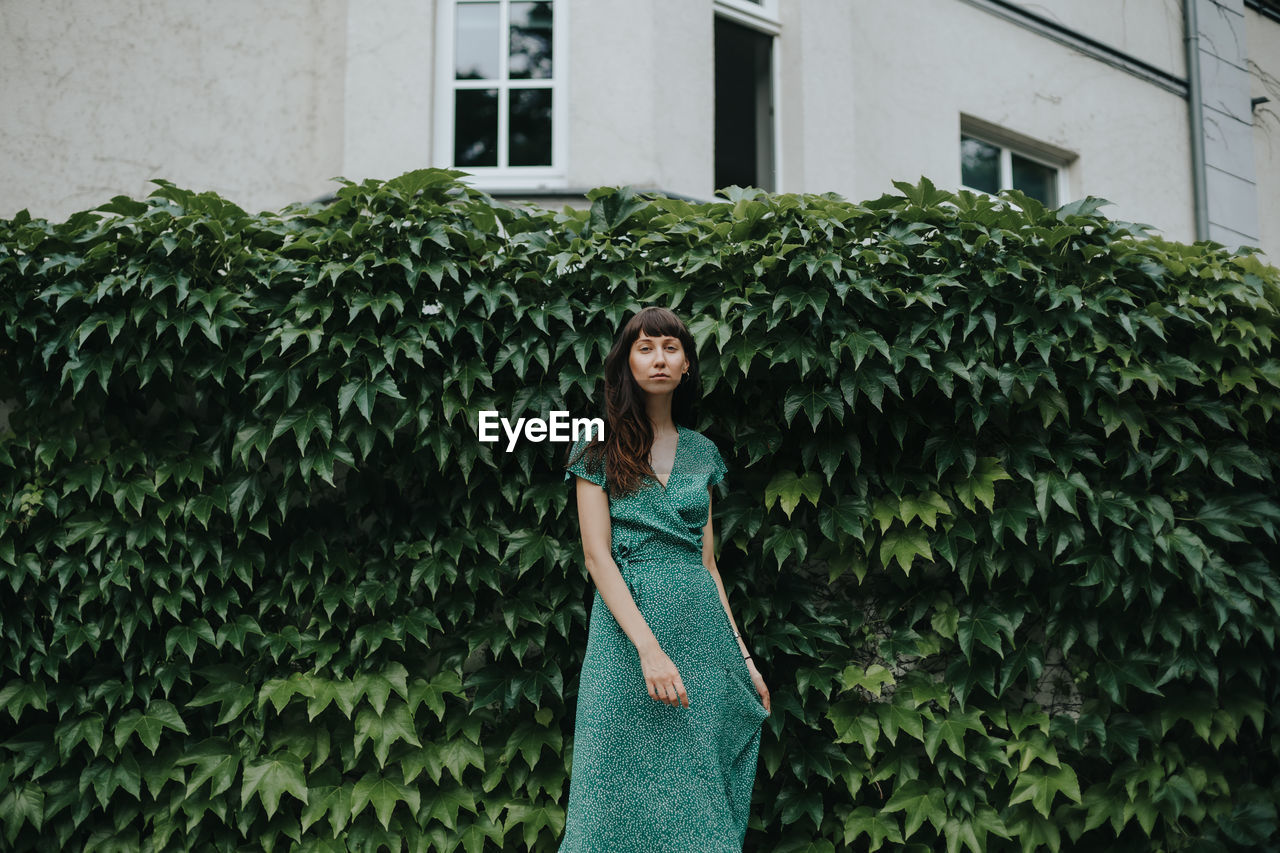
(1199, 182)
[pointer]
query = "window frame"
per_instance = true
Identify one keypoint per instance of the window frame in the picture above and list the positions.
(762, 16)
(550, 177)
(1059, 163)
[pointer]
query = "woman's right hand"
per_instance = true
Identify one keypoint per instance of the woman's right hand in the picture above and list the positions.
(663, 679)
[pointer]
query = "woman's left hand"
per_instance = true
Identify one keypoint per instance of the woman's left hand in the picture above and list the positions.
(758, 680)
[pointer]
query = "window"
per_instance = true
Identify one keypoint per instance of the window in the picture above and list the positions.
(766, 10)
(501, 89)
(745, 68)
(990, 167)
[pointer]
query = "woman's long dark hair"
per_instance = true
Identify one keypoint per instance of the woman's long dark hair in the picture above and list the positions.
(628, 437)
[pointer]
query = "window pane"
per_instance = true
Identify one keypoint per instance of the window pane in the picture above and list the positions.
(476, 32)
(979, 165)
(530, 40)
(475, 131)
(1036, 180)
(744, 115)
(530, 127)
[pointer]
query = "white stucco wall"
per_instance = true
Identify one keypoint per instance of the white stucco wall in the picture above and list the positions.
(1148, 30)
(641, 108)
(1131, 138)
(818, 85)
(389, 79)
(100, 97)
(265, 106)
(1263, 39)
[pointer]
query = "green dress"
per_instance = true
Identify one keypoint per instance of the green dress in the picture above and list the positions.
(646, 776)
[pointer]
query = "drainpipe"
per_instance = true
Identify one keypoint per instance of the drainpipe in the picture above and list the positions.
(1195, 96)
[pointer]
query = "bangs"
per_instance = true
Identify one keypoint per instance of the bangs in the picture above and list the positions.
(657, 322)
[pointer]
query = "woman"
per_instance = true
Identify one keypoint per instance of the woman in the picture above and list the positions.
(668, 721)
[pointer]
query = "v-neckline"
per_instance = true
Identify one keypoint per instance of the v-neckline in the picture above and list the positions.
(675, 457)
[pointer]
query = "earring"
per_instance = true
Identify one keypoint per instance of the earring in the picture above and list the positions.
(684, 377)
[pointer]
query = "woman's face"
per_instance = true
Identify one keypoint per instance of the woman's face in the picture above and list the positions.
(658, 363)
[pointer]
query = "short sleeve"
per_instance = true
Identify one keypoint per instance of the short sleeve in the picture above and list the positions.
(579, 467)
(718, 468)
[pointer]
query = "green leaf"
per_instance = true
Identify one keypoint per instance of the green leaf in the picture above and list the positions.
(815, 402)
(904, 546)
(149, 724)
(73, 731)
(895, 717)
(383, 794)
(21, 803)
(950, 730)
(279, 691)
(878, 826)
(271, 777)
(234, 697)
(980, 487)
(872, 679)
(787, 489)
(853, 724)
(1040, 788)
(985, 626)
(532, 819)
(216, 762)
(364, 392)
(959, 832)
(921, 801)
(384, 730)
(445, 804)
(304, 424)
(331, 800)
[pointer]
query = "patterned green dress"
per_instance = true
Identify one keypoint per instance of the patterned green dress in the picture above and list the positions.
(647, 776)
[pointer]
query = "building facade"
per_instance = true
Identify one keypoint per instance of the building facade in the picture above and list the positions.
(1169, 110)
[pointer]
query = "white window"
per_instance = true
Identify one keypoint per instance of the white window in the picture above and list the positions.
(761, 12)
(988, 166)
(502, 105)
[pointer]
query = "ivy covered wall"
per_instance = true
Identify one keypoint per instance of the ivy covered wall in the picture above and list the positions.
(1000, 523)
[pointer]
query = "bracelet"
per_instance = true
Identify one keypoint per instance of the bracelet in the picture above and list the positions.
(746, 657)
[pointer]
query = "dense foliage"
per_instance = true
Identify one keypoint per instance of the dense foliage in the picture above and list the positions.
(1000, 522)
